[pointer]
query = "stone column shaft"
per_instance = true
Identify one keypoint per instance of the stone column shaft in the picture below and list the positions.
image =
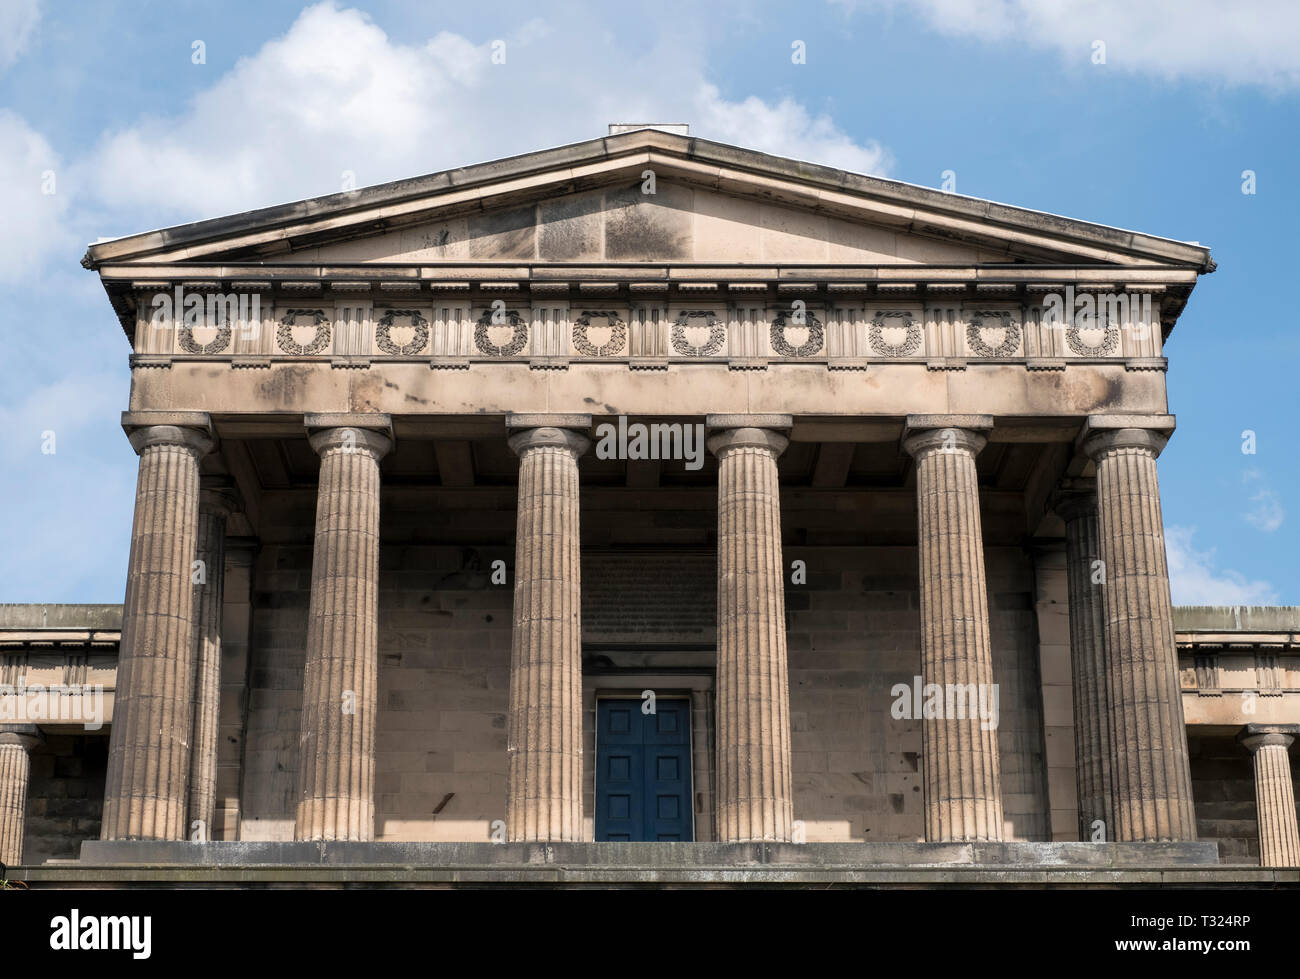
(754, 792)
(963, 796)
(1279, 835)
(216, 502)
(1150, 777)
(544, 738)
(149, 756)
(16, 744)
(1077, 506)
(336, 767)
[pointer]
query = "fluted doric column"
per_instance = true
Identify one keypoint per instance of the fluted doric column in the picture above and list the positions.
(959, 750)
(1151, 782)
(336, 762)
(149, 746)
(544, 736)
(1279, 835)
(754, 793)
(16, 744)
(1076, 504)
(217, 500)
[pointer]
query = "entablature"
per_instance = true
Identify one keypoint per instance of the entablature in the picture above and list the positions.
(749, 317)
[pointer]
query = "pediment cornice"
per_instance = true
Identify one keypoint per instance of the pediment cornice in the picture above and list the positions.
(1019, 233)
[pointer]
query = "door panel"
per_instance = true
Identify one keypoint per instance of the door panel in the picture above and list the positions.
(643, 770)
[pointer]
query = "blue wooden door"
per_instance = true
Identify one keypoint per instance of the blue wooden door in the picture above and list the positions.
(643, 770)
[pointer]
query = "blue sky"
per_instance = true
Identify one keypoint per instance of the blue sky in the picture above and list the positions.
(107, 98)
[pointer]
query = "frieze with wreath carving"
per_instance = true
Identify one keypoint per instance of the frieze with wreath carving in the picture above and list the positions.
(717, 334)
(284, 334)
(384, 335)
(518, 336)
(1109, 340)
(911, 342)
(617, 337)
(816, 336)
(1010, 338)
(185, 337)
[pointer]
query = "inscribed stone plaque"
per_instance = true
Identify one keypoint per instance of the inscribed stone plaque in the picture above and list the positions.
(649, 598)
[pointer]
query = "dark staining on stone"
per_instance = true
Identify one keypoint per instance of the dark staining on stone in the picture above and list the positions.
(282, 386)
(569, 228)
(648, 227)
(504, 234)
(435, 239)
(1114, 392)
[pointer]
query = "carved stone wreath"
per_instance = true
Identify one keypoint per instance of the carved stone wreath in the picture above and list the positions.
(518, 336)
(384, 336)
(1109, 341)
(1010, 338)
(717, 334)
(219, 343)
(284, 334)
(816, 336)
(617, 337)
(911, 343)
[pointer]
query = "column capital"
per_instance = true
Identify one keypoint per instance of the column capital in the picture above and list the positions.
(1102, 434)
(725, 441)
(26, 736)
(1074, 498)
(540, 430)
(549, 438)
(217, 494)
(350, 439)
(1103, 443)
(1256, 736)
(948, 433)
(197, 440)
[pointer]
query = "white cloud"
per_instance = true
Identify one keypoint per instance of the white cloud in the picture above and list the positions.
(1267, 512)
(786, 129)
(18, 19)
(336, 94)
(34, 200)
(1244, 42)
(1194, 579)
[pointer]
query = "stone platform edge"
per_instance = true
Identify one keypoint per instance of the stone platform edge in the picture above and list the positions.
(664, 856)
(335, 865)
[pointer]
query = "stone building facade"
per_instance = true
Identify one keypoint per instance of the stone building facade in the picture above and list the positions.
(650, 489)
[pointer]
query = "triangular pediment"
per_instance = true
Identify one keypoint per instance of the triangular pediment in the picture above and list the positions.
(677, 223)
(648, 196)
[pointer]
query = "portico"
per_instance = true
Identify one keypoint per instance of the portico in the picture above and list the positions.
(898, 436)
